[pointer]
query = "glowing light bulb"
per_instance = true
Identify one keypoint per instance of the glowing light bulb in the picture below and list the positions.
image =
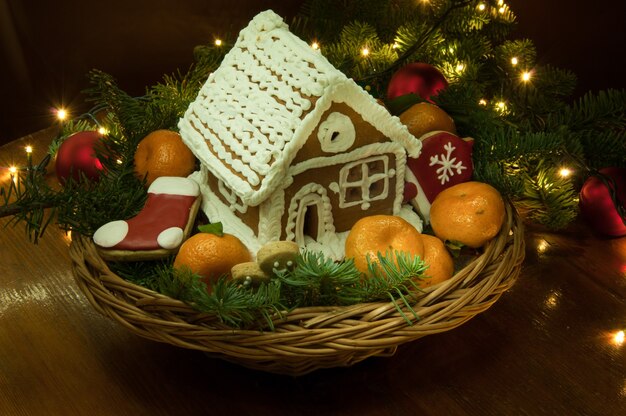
(395, 45)
(61, 114)
(29, 149)
(365, 51)
(119, 161)
(460, 67)
(482, 101)
(502, 9)
(526, 76)
(514, 61)
(103, 131)
(501, 105)
(481, 7)
(500, 2)
(315, 45)
(565, 172)
(218, 42)
(618, 338)
(12, 170)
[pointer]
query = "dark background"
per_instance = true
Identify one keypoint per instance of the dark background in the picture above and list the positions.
(46, 48)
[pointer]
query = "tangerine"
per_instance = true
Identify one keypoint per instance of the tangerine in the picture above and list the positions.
(163, 153)
(470, 213)
(422, 118)
(211, 256)
(383, 234)
(439, 261)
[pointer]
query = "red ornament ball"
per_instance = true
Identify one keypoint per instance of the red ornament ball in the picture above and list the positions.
(418, 78)
(598, 208)
(77, 154)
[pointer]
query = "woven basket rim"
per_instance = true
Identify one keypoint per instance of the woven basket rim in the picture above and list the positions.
(307, 338)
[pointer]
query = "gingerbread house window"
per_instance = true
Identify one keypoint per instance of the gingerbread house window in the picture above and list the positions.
(364, 181)
(336, 133)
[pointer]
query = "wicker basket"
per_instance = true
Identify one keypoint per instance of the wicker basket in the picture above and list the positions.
(307, 338)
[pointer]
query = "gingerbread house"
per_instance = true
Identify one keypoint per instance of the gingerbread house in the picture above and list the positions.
(290, 148)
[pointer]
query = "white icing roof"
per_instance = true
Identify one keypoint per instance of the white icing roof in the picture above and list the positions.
(258, 108)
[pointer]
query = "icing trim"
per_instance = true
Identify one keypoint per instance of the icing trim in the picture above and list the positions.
(239, 103)
(309, 195)
(174, 185)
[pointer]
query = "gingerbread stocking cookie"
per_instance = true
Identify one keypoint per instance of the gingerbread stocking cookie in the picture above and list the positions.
(160, 227)
(446, 160)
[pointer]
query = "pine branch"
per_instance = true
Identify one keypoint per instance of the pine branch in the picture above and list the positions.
(419, 43)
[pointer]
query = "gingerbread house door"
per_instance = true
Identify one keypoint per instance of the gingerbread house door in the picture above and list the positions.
(312, 215)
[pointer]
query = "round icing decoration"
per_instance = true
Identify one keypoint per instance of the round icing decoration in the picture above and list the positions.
(336, 133)
(110, 233)
(170, 238)
(175, 186)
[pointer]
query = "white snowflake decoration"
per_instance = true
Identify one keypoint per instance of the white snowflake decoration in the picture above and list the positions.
(448, 167)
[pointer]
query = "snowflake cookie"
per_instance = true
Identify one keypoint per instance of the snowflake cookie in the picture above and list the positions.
(446, 160)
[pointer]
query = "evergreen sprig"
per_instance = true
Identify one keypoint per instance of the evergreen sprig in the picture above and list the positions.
(317, 280)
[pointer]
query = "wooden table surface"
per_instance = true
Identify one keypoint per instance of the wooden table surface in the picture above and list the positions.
(547, 347)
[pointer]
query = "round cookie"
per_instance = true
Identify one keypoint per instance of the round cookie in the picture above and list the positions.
(249, 274)
(278, 255)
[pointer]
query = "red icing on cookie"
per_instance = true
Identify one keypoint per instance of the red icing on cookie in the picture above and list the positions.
(160, 212)
(445, 160)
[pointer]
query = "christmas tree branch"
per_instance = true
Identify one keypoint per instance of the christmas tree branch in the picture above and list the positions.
(421, 41)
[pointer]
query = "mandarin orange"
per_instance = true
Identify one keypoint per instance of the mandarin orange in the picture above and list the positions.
(163, 153)
(211, 256)
(470, 213)
(422, 118)
(383, 234)
(439, 261)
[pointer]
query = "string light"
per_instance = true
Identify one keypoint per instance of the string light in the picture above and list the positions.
(315, 46)
(618, 338)
(501, 105)
(460, 67)
(565, 172)
(482, 101)
(103, 131)
(514, 61)
(502, 9)
(481, 7)
(12, 172)
(365, 51)
(526, 76)
(218, 42)
(29, 156)
(500, 2)
(61, 114)
(395, 45)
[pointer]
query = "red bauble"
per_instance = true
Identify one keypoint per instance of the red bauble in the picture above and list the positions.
(418, 78)
(77, 154)
(598, 208)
